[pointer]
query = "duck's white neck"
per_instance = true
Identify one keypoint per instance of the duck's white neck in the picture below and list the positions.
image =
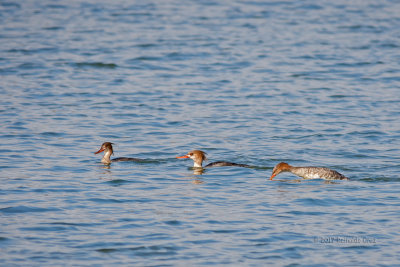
(198, 161)
(106, 158)
(197, 164)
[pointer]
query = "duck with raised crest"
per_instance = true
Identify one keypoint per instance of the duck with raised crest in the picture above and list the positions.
(199, 156)
(108, 151)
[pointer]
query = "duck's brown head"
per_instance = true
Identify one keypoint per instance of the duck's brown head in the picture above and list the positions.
(106, 146)
(280, 167)
(197, 156)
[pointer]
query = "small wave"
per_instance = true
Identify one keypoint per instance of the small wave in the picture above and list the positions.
(104, 200)
(117, 182)
(143, 250)
(23, 209)
(96, 65)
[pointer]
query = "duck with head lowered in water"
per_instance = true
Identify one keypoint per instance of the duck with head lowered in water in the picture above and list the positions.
(308, 172)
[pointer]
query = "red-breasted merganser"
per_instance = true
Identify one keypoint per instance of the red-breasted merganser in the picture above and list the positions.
(308, 172)
(108, 151)
(199, 156)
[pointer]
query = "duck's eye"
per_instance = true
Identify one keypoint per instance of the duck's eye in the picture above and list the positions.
(190, 154)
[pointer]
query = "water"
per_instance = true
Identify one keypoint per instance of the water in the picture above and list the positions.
(254, 82)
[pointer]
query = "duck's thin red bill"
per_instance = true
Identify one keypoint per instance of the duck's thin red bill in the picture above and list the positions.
(101, 150)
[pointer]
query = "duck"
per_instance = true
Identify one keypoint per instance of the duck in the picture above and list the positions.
(308, 172)
(108, 151)
(199, 156)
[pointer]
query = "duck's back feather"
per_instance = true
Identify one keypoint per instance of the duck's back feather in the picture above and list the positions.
(224, 163)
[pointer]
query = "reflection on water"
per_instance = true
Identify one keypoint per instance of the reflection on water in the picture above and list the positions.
(197, 181)
(198, 171)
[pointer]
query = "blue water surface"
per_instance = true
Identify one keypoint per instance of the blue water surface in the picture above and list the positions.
(312, 83)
